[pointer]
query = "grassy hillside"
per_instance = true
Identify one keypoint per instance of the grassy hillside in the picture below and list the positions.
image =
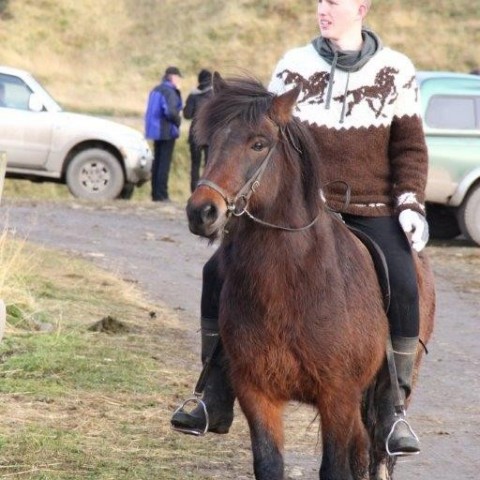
(104, 56)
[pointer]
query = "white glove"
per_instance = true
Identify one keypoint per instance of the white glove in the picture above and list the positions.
(415, 224)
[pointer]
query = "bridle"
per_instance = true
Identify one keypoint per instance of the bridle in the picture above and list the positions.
(237, 206)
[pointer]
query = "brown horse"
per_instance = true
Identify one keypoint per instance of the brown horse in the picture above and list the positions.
(301, 313)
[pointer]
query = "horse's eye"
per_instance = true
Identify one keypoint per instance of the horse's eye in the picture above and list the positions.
(258, 146)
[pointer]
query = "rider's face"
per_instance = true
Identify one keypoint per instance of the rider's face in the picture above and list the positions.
(338, 19)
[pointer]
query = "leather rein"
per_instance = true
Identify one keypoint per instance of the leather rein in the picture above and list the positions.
(237, 206)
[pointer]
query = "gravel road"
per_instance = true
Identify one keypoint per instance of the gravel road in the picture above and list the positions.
(151, 245)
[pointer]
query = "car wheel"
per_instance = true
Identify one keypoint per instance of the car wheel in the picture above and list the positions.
(442, 222)
(95, 174)
(469, 215)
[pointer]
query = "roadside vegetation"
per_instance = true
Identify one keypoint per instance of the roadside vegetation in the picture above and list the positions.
(88, 375)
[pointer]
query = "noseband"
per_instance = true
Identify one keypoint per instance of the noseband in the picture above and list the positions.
(237, 205)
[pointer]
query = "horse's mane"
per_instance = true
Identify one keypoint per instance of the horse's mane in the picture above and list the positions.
(247, 100)
(242, 98)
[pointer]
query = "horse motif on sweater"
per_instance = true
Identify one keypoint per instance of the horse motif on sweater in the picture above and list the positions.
(313, 87)
(382, 92)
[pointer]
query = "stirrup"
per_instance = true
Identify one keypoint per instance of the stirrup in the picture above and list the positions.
(401, 419)
(195, 400)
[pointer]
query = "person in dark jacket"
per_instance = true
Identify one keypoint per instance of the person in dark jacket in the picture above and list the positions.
(162, 125)
(196, 98)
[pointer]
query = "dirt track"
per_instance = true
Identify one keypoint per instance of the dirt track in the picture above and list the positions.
(151, 245)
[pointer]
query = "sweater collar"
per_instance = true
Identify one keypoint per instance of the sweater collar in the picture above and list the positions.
(348, 60)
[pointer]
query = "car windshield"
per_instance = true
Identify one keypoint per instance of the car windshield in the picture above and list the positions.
(51, 99)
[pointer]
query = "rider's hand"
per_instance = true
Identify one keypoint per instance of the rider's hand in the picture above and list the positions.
(416, 227)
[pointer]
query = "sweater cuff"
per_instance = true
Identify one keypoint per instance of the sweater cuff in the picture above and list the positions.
(409, 201)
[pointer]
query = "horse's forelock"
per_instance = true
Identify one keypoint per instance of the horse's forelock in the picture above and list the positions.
(242, 98)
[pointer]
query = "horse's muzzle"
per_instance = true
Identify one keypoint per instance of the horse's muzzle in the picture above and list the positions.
(205, 218)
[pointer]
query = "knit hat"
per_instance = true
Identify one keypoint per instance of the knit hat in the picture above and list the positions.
(172, 71)
(205, 76)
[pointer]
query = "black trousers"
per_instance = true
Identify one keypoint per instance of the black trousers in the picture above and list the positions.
(196, 153)
(403, 316)
(162, 159)
(386, 231)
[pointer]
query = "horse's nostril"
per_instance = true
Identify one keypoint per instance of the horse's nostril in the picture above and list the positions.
(209, 213)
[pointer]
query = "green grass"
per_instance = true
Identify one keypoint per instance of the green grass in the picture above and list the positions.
(82, 404)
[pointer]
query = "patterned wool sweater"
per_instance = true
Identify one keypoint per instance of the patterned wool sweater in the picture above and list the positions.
(376, 144)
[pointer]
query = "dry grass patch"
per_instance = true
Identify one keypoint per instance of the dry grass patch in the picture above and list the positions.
(77, 404)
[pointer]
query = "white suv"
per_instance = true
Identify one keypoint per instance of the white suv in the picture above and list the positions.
(96, 158)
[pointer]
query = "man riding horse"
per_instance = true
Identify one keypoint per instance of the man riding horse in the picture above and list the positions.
(382, 158)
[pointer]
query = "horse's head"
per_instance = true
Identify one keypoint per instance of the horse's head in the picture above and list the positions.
(242, 125)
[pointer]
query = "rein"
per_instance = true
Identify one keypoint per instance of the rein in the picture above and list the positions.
(238, 205)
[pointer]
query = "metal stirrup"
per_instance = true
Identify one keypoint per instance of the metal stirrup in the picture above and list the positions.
(402, 419)
(195, 400)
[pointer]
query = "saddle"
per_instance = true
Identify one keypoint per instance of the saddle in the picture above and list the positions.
(379, 263)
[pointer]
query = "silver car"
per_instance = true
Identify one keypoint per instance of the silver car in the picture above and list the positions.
(96, 158)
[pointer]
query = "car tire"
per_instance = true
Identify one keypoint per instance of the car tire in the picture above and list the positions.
(95, 174)
(442, 222)
(469, 215)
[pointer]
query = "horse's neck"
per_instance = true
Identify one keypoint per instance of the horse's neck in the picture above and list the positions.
(258, 244)
(282, 202)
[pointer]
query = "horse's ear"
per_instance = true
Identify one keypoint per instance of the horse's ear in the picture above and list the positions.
(218, 82)
(282, 105)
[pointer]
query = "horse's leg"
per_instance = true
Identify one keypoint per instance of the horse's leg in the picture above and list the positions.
(266, 432)
(381, 465)
(345, 441)
(359, 448)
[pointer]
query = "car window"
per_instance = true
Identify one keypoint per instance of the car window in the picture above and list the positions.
(16, 92)
(453, 112)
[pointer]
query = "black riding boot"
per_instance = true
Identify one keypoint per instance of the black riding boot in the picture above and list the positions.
(399, 437)
(218, 397)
